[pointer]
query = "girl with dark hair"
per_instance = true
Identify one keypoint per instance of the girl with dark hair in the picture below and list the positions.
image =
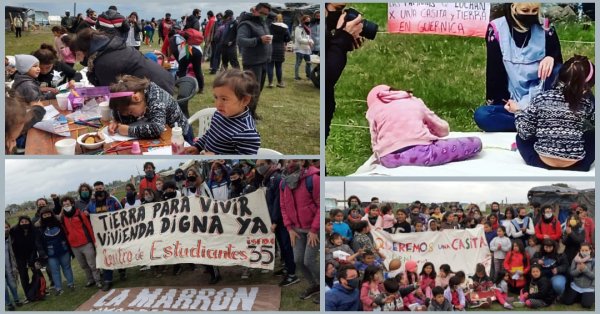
(427, 279)
(556, 130)
(517, 265)
(135, 29)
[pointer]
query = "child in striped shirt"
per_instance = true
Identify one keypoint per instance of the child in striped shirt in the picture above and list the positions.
(232, 129)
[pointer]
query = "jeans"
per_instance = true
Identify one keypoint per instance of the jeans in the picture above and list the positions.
(56, 263)
(11, 286)
(195, 59)
(285, 245)
(215, 59)
(306, 258)
(86, 257)
(299, 58)
(532, 158)
(494, 118)
(558, 284)
(571, 296)
(278, 71)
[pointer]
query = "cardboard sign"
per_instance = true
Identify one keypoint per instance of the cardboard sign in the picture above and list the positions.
(457, 19)
(214, 298)
(197, 230)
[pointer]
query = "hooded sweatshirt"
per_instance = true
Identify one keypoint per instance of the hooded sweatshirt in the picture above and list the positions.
(111, 58)
(300, 207)
(540, 289)
(342, 299)
(250, 29)
(398, 120)
(28, 88)
(112, 22)
(23, 241)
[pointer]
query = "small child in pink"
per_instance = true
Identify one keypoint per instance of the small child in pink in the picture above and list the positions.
(388, 218)
(404, 132)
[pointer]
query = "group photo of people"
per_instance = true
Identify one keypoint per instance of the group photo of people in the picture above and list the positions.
(213, 79)
(51, 243)
(454, 87)
(538, 249)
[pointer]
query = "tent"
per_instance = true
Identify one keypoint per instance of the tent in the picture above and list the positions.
(562, 198)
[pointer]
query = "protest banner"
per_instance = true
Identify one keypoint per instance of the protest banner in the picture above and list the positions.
(457, 19)
(461, 249)
(196, 230)
(243, 298)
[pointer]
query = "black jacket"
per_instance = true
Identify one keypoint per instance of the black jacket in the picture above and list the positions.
(23, 242)
(272, 181)
(281, 36)
(114, 58)
(542, 290)
(558, 261)
(192, 22)
(250, 29)
(66, 72)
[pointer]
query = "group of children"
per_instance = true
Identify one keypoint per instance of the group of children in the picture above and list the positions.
(146, 113)
(555, 266)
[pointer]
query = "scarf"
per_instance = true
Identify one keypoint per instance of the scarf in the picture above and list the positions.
(306, 29)
(292, 179)
(579, 259)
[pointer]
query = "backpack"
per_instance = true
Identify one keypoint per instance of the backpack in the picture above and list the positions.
(192, 36)
(37, 288)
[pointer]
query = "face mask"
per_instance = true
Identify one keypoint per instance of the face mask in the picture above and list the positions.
(130, 194)
(521, 216)
(169, 195)
(307, 23)
(149, 174)
(99, 194)
(572, 222)
(218, 172)
(262, 169)
(68, 209)
(84, 194)
(246, 170)
(584, 255)
(179, 177)
(353, 283)
(263, 18)
(548, 216)
(527, 20)
(236, 181)
(192, 179)
(149, 198)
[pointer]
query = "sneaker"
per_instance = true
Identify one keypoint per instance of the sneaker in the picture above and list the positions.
(18, 303)
(59, 292)
(518, 304)
(270, 85)
(246, 273)
(71, 287)
(214, 280)
(508, 306)
(99, 285)
(280, 85)
(289, 280)
(309, 292)
(90, 283)
(316, 299)
(281, 272)
(485, 305)
(106, 286)
(145, 268)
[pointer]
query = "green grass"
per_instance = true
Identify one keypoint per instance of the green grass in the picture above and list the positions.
(447, 72)
(290, 116)
(70, 300)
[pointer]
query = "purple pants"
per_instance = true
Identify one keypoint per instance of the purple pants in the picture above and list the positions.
(437, 153)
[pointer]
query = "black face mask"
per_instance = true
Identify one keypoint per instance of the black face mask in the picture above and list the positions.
(149, 174)
(332, 19)
(99, 194)
(528, 20)
(307, 23)
(169, 195)
(192, 179)
(179, 177)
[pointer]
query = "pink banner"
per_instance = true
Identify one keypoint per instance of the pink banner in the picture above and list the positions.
(457, 19)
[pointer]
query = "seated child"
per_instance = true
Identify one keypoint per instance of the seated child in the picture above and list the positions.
(404, 132)
(26, 84)
(439, 303)
(413, 298)
(538, 292)
(368, 258)
(388, 218)
(552, 132)
(427, 279)
(455, 295)
(145, 114)
(501, 288)
(443, 277)
(232, 129)
(371, 291)
(481, 293)
(15, 116)
(338, 252)
(582, 271)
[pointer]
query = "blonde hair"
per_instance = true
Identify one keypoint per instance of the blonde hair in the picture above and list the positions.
(279, 18)
(513, 12)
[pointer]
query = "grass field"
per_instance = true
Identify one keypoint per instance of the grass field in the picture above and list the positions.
(447, 72)
(70, 300)
(290, 116)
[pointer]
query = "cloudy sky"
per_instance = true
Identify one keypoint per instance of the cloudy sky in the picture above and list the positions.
(32, 179)
(145, 9)
(464, 192)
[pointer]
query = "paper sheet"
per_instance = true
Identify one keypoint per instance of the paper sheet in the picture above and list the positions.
(53, 122)
(163, 150)
(115, 137)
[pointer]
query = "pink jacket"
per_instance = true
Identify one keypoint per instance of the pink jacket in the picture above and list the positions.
(397, 119)
(299, 208)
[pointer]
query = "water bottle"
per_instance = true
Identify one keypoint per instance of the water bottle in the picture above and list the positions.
(177, 140)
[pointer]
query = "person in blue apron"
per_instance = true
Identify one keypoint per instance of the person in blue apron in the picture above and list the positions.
(523, 59)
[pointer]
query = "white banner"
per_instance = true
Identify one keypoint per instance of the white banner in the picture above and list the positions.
(461, 249)
(196, 230)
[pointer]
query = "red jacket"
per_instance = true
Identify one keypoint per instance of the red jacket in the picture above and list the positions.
(551, 229)
(208, 29)
(74, 229)
(145, 184)
(515, 260)
(588, 227)
(299, 208)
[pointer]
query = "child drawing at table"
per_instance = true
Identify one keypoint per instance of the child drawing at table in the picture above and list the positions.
(145, 114)
(232, 129)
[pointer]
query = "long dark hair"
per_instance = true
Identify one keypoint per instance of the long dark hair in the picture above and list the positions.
(499, 276)
(573, 75)
(521, 247)
(370, 273)
(433, 274)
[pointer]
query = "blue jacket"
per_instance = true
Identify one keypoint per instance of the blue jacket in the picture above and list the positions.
(343, 229)
(340, 299)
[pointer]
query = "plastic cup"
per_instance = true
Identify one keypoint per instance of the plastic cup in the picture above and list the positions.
(66, 146)
(135, 148)
(270, 38)
(63, 101)
(104, 111)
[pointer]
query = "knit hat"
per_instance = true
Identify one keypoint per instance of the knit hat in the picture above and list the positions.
(411, 266)
(25, 62)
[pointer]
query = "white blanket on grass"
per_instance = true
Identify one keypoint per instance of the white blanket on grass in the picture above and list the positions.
(495, 160)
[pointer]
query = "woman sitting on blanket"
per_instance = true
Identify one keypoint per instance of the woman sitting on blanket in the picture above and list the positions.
(523, 59)
(556, 130)
(404, 132)
(145, 111)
